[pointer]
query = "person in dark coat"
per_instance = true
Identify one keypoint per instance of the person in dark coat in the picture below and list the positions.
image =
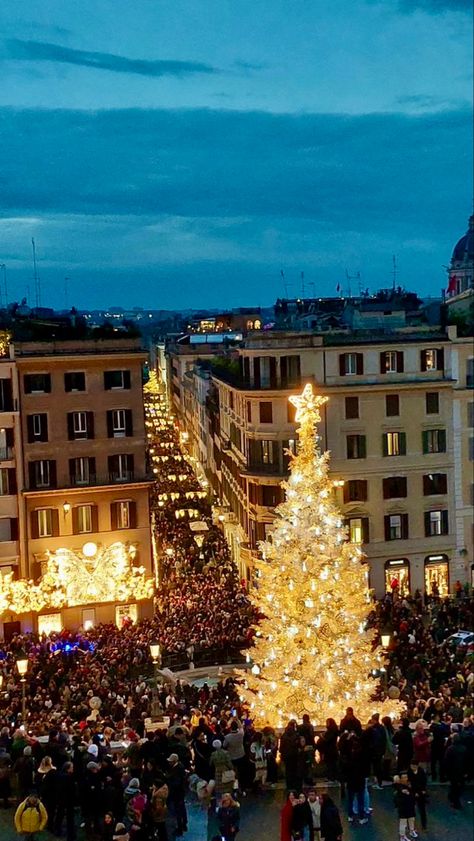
(48, 789)
(327, 747)
(356, 773)
(331, 826)
(376, 740)
(455, 761)
(301, 817)
(289, 744)
(5, 775)
(66, 801)
(350, 722)
(24, 768)
(418, 782)
(228, 817)
(403, 738)
(176, 781)
(202, 754)
(440, 732)
(405, 805)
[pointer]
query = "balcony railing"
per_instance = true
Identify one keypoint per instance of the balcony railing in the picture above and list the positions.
(258, 468)
(96, 480)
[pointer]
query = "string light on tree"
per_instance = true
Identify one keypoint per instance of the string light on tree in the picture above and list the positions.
(313, 652)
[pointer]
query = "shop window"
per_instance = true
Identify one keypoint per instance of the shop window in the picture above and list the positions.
(88, 618)
(437, 575)
(50, 623)
(397, 576)
(126, 614)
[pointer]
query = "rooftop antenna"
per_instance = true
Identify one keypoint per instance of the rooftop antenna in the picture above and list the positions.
(285, 285)
(36, 276)
(394, 272)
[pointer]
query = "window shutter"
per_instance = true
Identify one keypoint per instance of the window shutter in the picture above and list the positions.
(113, 516)
(424, 439)
(386, 488)
(132, 511)
(384, 445)
(90, 424)
(112, 464)
(440, 359)
(427, 524)
(34, 525)
(72, 470)
(27, 384)
(362, 446)
(75, 520)
(29, 428)
(44, 428)
(67, 382)
(107, 380)
(400, 362)
(365, 529)
(404, 526)
(128, 423)
(12, 486)
(383, 369)
(426, 485)
(53, 481)
(256, 372)
(342, 364)
(47, 383)
(403, 443)
(444, 522)
(110, 427)
(55, 522)
(362, 489)
(387, 527)
(31, 475)
(273, 375)
(442, 440)
(347, 496)
(9, 437)
(14, 528)
(70, 426)
(247, 370)
(423, 360)
(284, 371)
(94, 518)
(360, 363)
(92, 468)
(7, 395)
(130, 463)
(126, 379)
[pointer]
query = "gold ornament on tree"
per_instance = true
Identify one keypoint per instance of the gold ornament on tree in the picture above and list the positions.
(313, 652)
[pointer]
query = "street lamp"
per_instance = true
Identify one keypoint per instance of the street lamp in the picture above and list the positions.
(22, 666)
(155, 651)
(385, 640)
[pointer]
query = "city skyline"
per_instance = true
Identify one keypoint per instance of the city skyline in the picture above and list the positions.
(170, 156)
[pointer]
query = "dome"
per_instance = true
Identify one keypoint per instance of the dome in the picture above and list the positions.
(464, 249)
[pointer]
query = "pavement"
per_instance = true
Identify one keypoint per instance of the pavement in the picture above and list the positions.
(260, 819)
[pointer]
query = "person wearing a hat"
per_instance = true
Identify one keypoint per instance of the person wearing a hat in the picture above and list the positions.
(176, 781)
(48, 789)
(221, 765)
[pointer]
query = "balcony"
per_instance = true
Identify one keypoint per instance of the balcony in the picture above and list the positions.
(257, 468)
(97, 480)
(9, 549)
(7, 453)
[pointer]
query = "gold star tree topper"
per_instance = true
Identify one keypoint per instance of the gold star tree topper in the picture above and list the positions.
(307, 405)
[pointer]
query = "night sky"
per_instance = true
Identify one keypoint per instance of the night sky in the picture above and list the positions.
(180, 153)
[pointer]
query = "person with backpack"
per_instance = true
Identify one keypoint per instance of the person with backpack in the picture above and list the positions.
(31, 817)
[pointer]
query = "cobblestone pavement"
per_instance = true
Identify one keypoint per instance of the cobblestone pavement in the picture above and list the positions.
(260, 820)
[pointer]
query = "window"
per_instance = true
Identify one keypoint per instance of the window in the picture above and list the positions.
(6, 396)
(432, 402)
(355, 490)
(290, 371)
(352, 407)
(84, 519)
(249, 412)
(394, 444)
(121, 467)
(271, 495)
(470, 415)
(470, 372)
(42, 474)
(394, 487)
(391, 362)
(356, 446)
(75, 381)
(45, 522)
(37, 428)
(351, 363)
(290, 412)
(7, 481)
(358, 529)
(435, 483)
(267, 452)
(434, 441)
(119, 423)
(80, 425)
(266, 412)
(471, 449)
(116, 379)
(123, 514)
(82, 470)
(396, 527)
(37, 383)
(436, 523)
(432, 359)
(392, 405)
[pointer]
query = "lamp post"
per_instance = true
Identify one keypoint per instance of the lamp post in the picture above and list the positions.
(22, 666)
(155, 651)
(385, 638)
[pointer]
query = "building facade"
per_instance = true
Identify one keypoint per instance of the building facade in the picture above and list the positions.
(77, 484)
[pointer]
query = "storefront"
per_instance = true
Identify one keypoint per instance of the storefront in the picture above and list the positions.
(397, 576)
(437, 575)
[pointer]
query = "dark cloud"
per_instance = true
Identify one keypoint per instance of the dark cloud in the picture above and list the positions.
(42, 51)
(379, 169)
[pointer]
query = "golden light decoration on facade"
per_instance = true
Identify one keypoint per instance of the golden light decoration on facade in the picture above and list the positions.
(79, 577)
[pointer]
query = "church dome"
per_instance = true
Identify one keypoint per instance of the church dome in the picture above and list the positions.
(464, 249)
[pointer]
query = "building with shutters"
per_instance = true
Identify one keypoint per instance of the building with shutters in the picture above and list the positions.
(74, 470)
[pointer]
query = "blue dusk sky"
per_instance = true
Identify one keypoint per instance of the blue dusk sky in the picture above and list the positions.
(181, 153)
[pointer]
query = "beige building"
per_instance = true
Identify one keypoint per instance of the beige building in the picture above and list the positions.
(399, 428)
(77, 486)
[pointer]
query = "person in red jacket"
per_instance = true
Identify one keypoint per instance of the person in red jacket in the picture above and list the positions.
(286, 816)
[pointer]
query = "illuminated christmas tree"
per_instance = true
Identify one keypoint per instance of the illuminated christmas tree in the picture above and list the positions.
(313, 652)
